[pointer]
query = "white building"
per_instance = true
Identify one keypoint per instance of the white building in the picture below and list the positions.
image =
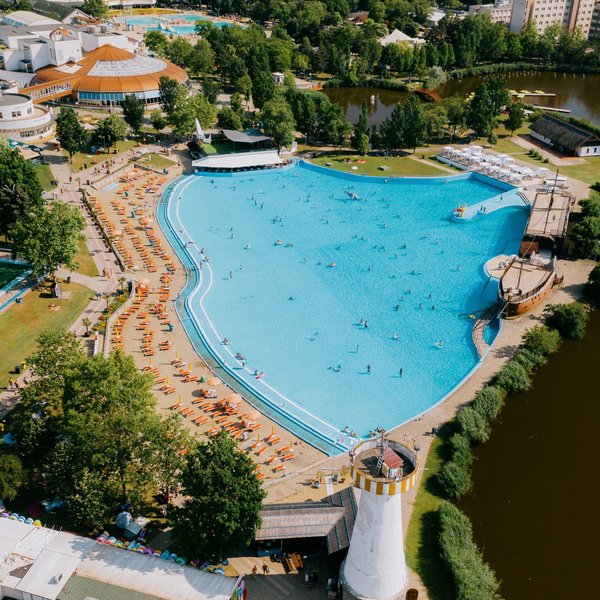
(37, 563)
(31, 41)
(116, 4)
(397, 37)
(499, 12)
(569, 14)
(22, 121)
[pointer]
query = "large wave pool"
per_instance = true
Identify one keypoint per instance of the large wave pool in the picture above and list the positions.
(166, 22)
(351, 298)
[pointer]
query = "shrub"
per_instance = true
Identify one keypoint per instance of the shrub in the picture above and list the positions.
(586, 237)
(513, 378)
(461, 450)
(455, 480)
(541, 339)
(530, 360)
(570, 320)
(592, 288)
(489, 401)
(590, 207)
(473, 425)
(472, 576)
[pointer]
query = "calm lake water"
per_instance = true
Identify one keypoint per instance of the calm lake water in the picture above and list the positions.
(579, 93)
(536, 491)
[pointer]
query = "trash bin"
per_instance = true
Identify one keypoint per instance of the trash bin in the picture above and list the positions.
(18, 369)
(68, 279)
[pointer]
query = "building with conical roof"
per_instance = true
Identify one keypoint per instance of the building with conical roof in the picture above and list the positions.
(104, 77)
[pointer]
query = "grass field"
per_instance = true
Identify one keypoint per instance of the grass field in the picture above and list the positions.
(45, 177)
(405, 166)
(588, 172)
(87, 266)
(22, 323)
(157, 161)
(80, 159)
(422, 554)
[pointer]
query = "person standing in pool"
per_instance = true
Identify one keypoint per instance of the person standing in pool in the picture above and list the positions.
(368, 369)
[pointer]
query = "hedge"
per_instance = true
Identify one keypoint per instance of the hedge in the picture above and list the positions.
(472, 577)
(570, 320)
(513, 378)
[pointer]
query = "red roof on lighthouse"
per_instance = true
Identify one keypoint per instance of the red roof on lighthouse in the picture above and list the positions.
(391, 459)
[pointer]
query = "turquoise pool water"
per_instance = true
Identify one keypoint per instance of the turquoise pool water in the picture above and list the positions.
(167, 20)
(291, 264)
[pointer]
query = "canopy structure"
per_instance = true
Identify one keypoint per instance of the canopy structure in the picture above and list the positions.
(239, 161)
(200, 135)
(251, 136)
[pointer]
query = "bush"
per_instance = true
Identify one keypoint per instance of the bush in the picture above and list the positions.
(473, 578)
(570, 320)
(513, 378)
(473, 425)
(592, 289)
(530, 360)
(461, 450)
(541, 339)
(454, 479)
(489, 402)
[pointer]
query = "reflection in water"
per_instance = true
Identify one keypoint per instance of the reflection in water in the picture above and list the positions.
(534, 504)
(579, 93)
(352, 99)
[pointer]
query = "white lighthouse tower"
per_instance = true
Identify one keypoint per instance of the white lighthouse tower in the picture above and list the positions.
(375, 566)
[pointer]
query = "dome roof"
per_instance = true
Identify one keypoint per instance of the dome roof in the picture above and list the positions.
(113, 70)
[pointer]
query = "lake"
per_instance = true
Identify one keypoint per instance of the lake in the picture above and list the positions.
(534, 504)
(579, 93)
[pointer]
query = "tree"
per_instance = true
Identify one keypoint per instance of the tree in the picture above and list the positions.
(278, 122)
(223, 500)
(156, 41)
(69, 132)
(12, 476)
(227, 118)
(87, 323)
(202, 59)
(489, 401)
(263, 86)
(360, 138)
(541, 339)
(592, 287)
(133, 112)
(415, 124)
(168, 90)
(570, 320)
(454, 479)
(20, 190)
(158, 120)
(435, 77)
(47, 237)
(109, 131)
(186, 109)
(180, 52)
(457, 114)
(95, 8)
(516, 117)
(481, 114)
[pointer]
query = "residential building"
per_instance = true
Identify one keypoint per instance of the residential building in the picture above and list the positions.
(569, 14)
(595, 23)
(565, 137)
(498, 12)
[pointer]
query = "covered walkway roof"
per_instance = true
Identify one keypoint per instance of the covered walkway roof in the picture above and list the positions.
(238, 161)
(252, 136)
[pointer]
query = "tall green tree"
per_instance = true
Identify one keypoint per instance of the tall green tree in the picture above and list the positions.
(47, 237)
(168, 90)
(202, 60)
(95, 8)
(109, 131)
(20, 190)
(481, 113)
(69, 132)
(158, 120)
(156, 41)
(415, 123)
(516, 117)
(278, 122)
(263, 86)
(360, 138)
(223, 500)
(12, 475)
(133, 112)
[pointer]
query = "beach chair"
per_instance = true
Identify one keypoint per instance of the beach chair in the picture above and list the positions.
(278, 468)
(200, 420)
(261, 451)
(274, 440)
(169, 391)
(286, 457)
(260, 476)
(175, 406)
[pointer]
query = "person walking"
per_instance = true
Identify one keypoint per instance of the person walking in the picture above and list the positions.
(254, 571)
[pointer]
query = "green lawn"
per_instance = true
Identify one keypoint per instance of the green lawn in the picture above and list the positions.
(87, 266)
(157, 161)
(405, 166)
(80, 159)
(22, 323)
(422, 554)
(588, 172)
(45, 177)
